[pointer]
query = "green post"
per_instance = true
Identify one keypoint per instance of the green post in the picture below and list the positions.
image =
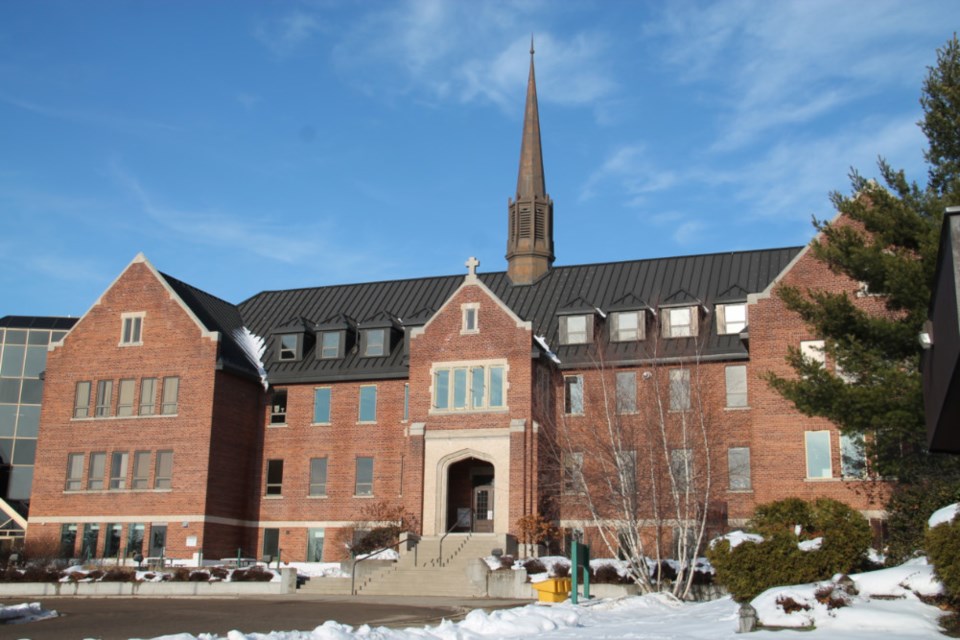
(574, 571)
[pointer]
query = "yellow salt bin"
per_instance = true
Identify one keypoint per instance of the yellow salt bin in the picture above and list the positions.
(553, 589)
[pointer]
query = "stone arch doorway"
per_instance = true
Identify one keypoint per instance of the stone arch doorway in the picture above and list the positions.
(470, 496)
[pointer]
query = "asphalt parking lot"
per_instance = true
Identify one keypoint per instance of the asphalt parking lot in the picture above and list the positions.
(126, 618)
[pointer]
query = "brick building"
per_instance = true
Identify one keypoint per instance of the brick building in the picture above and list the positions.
(175, 422)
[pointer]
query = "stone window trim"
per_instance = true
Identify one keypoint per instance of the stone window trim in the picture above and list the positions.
(470, 318)
(131, 328)
(124, 404)
(469, 404)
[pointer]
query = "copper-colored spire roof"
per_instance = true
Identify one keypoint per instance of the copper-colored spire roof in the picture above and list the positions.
(530, 181)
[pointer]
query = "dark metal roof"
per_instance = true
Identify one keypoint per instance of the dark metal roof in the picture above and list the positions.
(223, 317)
(38, 322)
(702, 278)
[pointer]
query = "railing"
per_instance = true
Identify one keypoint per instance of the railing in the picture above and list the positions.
(456, 524)
(373, 555)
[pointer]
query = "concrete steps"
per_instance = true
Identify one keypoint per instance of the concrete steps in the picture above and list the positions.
(326, 587)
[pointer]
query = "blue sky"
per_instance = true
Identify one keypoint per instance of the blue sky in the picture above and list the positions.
(245, 146)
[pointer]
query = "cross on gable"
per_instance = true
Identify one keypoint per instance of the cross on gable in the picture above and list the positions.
(472, 264)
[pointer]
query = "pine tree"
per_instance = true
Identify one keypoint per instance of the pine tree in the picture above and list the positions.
(887, 238)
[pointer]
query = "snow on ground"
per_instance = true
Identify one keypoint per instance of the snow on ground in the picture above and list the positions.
(886, 604)
(20, 613)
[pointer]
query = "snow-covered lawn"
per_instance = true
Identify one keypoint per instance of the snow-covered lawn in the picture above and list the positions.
(886, 604)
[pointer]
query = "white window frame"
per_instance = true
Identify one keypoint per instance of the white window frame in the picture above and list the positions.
(470, 318)
(818, 439)
(737, 398)
(131, 328)
(632, 334)
(672, 325)
(469, 386)
(727, 327)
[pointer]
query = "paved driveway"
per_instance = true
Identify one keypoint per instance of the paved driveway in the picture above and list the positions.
(125, 618)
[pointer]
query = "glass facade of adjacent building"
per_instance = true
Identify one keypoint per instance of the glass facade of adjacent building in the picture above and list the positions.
(23, 358)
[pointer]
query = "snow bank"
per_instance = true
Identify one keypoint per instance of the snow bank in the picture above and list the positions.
(18, 613)
(945, 515)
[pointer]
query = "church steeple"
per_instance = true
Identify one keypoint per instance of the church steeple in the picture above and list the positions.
(530, 233)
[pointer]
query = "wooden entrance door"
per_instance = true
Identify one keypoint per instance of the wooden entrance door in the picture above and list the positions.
(483, 509)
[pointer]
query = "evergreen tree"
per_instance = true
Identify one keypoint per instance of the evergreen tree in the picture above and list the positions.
(887, 239)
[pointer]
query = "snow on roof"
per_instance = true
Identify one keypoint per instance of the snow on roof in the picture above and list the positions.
(254, 347)
(543, 345)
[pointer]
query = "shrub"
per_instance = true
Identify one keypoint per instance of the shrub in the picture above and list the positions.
(751, 568)
(943, 550)
(561, 570)
(376, 539)
(506, 562)
(199, 576)
(95, 575)
(833, 596)
(117, 574)
(534, 565)
(219, 573)
(909, 507)
(608, 574)
(789, 605)
(180, 574)
(253, 574)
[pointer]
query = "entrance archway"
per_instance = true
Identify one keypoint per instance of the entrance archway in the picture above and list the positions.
(470, 500)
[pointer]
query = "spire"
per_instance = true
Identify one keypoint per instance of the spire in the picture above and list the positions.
(530, 180)
(530, 233)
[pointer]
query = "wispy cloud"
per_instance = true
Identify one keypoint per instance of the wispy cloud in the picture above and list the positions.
(629, 172)
(783, 63)
(102, 119)
(287, 33)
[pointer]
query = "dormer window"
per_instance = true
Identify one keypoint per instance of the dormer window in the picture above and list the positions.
(289, 346)
(131, 332)
(731, 318)
(679, 322)
(374, 342)
(576, 329)
(627, 326)
(330, 345)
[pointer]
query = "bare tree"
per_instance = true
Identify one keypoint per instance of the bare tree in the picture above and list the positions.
(636, 449)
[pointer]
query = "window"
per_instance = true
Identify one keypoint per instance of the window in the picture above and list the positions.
(738, 468)
(853, 457)
(125, 399)
(627, 469)
(330, 345)
(679, 322)
(111, 541)
(469, 387)
(96, 472)
(576, 329)
(163, 477)
(813, 350)
(368, 403)
(81, 403)
(406, 402)
(681, 468)
(573, 395)
(148, 396)
(471, 317)
(679, 389)
(364, 477)
(274, 477)
(627, 326)
(135, 538)
(278, 407)
(321, 405)
(818, 454)
(573, 472)
(318, 476)
(374, 342)
(132, 329)
(627, 392)
(736, 377)
(731, 318)
(289, 346)
(68, 540)
(74, 472)
(141, 470)
(171, 391)
(118, 470)
(104, 398)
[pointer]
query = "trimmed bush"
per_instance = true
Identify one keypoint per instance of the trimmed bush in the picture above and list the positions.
(506, 562)
(199, 576)
(117, 574)
(180, 574)
(253, 574)
(219, 573)
(608, 574)
(751, 568)
(943, 550)
(534, 565)
(561, 570)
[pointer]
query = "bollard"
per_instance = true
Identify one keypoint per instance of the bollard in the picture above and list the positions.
(748, 618)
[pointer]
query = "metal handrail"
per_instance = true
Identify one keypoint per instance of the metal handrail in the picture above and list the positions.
(372, 555)
(449, 531)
